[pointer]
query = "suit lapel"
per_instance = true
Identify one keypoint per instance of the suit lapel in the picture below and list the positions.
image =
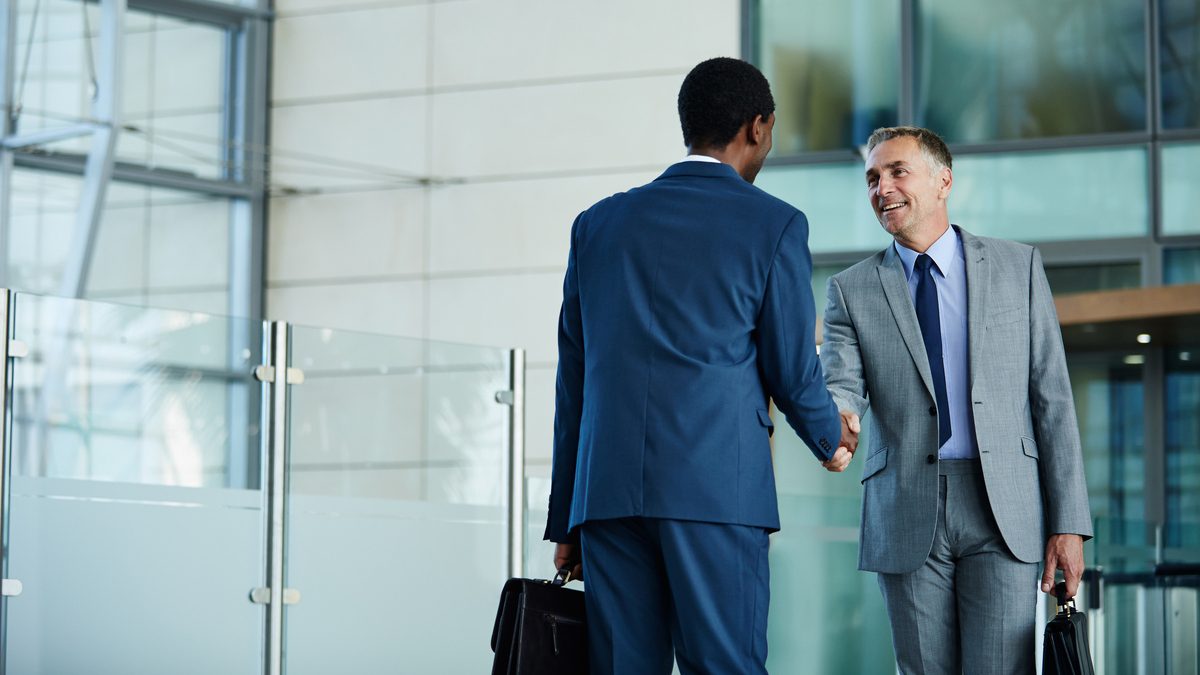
(978, 275)
(895, 289)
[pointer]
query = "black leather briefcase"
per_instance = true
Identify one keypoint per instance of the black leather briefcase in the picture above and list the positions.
(1065, 649)
(541, 629)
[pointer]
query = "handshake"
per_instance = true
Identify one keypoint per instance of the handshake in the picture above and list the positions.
(847, 445)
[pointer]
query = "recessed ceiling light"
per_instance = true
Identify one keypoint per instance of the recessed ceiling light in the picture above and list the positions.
(1143, 338)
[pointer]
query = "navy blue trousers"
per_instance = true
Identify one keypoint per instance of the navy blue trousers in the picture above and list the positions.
(660, 588)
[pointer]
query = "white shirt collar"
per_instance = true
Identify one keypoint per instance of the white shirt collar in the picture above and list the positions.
(700, 158)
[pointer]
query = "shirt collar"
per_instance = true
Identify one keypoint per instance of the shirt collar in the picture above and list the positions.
(700, 158)
(943, 252)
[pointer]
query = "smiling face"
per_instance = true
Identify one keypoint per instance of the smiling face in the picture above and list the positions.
(908, 191)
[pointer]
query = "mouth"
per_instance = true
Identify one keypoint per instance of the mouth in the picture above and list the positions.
(888, 208)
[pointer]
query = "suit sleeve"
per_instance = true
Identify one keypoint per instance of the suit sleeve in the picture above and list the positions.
(787, 344)
(568, 407)
(840, 354)
(1064, 488)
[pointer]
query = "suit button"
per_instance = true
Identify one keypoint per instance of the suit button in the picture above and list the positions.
(933, 410)
(931, 459)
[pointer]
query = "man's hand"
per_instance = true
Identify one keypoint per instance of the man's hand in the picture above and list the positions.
(839, 461)
(850, 430)
(568, 555)
(846, 446)
(1063, 552)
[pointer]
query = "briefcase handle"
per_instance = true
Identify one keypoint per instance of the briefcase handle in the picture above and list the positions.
(1060, 591)
(562, 577)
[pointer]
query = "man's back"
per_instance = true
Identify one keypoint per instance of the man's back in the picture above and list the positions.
(684, 303)
(671, 280)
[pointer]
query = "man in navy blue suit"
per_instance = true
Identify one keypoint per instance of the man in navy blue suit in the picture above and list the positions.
(686, 304)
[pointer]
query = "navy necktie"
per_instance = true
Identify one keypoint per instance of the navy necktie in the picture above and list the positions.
(931, 332)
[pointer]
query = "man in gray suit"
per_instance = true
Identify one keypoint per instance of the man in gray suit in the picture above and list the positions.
(975, 472)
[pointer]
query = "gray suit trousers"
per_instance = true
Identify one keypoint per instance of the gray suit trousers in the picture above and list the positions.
(971, 607)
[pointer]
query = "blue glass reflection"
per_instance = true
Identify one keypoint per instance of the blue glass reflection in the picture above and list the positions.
(1179, 56)
(1000, 70)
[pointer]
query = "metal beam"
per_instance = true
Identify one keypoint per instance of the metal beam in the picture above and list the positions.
(97, 173)
(515, 398)
(75, 165)
(8, 51)
(6, 316)
(45, 136)
(276, 495)
(244, 132)
(204, 11)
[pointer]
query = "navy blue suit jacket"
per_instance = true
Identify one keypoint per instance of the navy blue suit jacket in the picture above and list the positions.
(687, 302)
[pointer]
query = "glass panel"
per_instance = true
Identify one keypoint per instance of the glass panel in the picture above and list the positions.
(397, 485)
(1000, 70)
(820, 284)
(1180, 174)
(834, 198)
(538, 552)
(1109, 395)
(154, 246)
(1179, 55)
(136, 513)
(1183, 454)
(1008, 195)
(820, 602)
(1182, 266)
(172, 99)
(1182, 634)
(1096, 277)
(834, 69)
(1023, 196)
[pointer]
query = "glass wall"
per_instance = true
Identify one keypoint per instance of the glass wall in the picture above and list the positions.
(1180, 174)
(1183, 452)
(154, 246)
(1179, 55)
(395, 442)
(139, 520)
(820, 602)
(834, 69)
(172, 90)
(988, 71)
(135, 520)
(1075, 127)
(1182, 266)
(180, 224)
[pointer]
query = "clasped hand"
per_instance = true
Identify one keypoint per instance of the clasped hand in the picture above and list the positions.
(847, 445)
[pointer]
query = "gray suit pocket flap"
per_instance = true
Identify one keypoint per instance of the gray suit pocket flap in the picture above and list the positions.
(1005, 316)
(874, 463)
(765, 420)
(1029, 447)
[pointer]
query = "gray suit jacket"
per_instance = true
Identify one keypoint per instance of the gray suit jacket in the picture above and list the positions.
(1020, 394)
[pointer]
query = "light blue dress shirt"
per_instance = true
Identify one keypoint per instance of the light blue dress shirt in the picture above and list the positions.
(950, 278)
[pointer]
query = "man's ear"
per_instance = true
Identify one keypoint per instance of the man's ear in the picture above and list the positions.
(757, 130)
(945, 182)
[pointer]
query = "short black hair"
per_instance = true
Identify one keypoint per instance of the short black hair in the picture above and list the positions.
(930, 143)
(718, 97)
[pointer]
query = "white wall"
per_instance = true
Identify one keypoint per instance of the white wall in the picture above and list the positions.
(522, 112)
